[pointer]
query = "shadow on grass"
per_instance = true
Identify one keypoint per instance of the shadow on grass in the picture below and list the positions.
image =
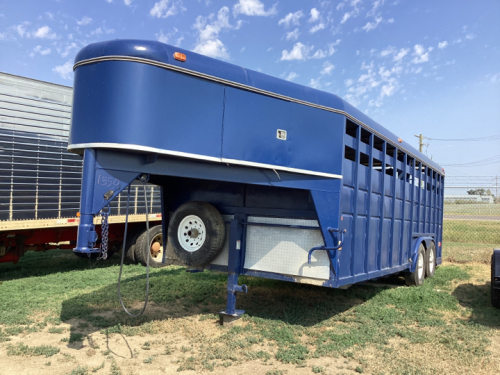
(175, 293)
(478, 299)
(34, 264)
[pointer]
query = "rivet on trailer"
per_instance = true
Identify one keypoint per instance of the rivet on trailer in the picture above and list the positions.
(259, 176)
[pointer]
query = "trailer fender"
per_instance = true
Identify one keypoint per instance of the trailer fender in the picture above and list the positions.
(414, 250)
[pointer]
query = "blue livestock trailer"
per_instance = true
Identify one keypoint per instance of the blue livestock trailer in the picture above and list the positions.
(259, 176)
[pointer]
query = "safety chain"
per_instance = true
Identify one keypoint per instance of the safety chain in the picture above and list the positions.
(104, 234)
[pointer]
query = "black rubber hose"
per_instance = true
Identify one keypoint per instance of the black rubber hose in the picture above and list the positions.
(123, 254)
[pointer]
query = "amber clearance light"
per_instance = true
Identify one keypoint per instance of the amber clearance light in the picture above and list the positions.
(179, 56)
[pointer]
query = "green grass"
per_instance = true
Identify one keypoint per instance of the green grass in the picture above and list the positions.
(472, 209)
(471, 231)
(284, 322)
(29, 351)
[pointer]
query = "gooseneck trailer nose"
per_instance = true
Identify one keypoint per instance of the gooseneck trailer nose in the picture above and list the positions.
(259, 176)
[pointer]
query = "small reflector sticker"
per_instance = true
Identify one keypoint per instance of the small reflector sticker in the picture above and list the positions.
(439, 244)
(281, 134)
(179, 56)
(238, 245)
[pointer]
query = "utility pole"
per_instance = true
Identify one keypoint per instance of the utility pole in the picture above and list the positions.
(420, 142)
(496, 190)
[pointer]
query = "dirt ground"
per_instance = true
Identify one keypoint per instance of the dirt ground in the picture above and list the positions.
(161, 353)
(131, 356)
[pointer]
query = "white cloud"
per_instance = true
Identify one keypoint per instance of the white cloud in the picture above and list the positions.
(21, 29)
(390, 20)
(314, 83)
(166, 8)
(348, 82)
(40, 50)
(50, 15)
(402, 53)
(495, 78)
(291, 19)
(314, 15)
(290, 77)
(298, 52)
(442, 45)
(65, 71)
(327, 68)
(388, 51)
(127, 2)
(67, 49)
(372, 25)
(84, 21)
(420, 53)
(470, 36)
(345, 17)
(101, 30)
(318, 27)
(253, 8)
(319, 54)
(212, 48)
(376, 5)
(293, 35)
(44, 32)
(208, 42)
(163, 38)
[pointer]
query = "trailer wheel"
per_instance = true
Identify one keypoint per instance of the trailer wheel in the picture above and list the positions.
(430, 260)
(416, 278)
(197, 233)
(130, 245)
(495, 293)
(154, 249)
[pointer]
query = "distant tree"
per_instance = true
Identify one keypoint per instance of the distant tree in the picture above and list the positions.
(476, 192)
(481, 192)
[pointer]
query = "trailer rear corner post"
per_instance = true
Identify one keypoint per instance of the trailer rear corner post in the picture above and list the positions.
(234, 267)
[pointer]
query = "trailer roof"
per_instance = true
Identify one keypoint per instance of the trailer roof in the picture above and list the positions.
(161, 54)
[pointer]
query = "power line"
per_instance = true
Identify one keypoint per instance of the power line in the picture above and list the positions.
(477, 163)
(478, 139)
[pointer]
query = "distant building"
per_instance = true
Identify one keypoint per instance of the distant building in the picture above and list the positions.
(469, 198)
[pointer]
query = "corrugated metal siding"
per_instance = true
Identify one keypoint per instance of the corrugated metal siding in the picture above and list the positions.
(39, 179)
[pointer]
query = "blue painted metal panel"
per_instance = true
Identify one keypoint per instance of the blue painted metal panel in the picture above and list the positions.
(251, 122)
(136, 104)
(162, 53)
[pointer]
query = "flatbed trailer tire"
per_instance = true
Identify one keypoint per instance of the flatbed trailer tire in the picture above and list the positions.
(143, 249)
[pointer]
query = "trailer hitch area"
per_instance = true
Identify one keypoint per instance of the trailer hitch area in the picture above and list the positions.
(338, 247)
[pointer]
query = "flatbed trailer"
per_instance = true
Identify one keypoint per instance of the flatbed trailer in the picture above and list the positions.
(258, 176)
(40, 180)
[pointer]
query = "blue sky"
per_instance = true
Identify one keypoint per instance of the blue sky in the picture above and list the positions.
(430, 67)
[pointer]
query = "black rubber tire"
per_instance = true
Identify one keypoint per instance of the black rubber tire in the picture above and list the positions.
(132, 237)
(430, 264)
(142, 248)
(214, 237)
(413, 278)
(495, 293)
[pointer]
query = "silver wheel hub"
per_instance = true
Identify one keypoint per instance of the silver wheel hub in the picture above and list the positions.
(431, 260)
(156, 248)
(191, 233)
(420, 266)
